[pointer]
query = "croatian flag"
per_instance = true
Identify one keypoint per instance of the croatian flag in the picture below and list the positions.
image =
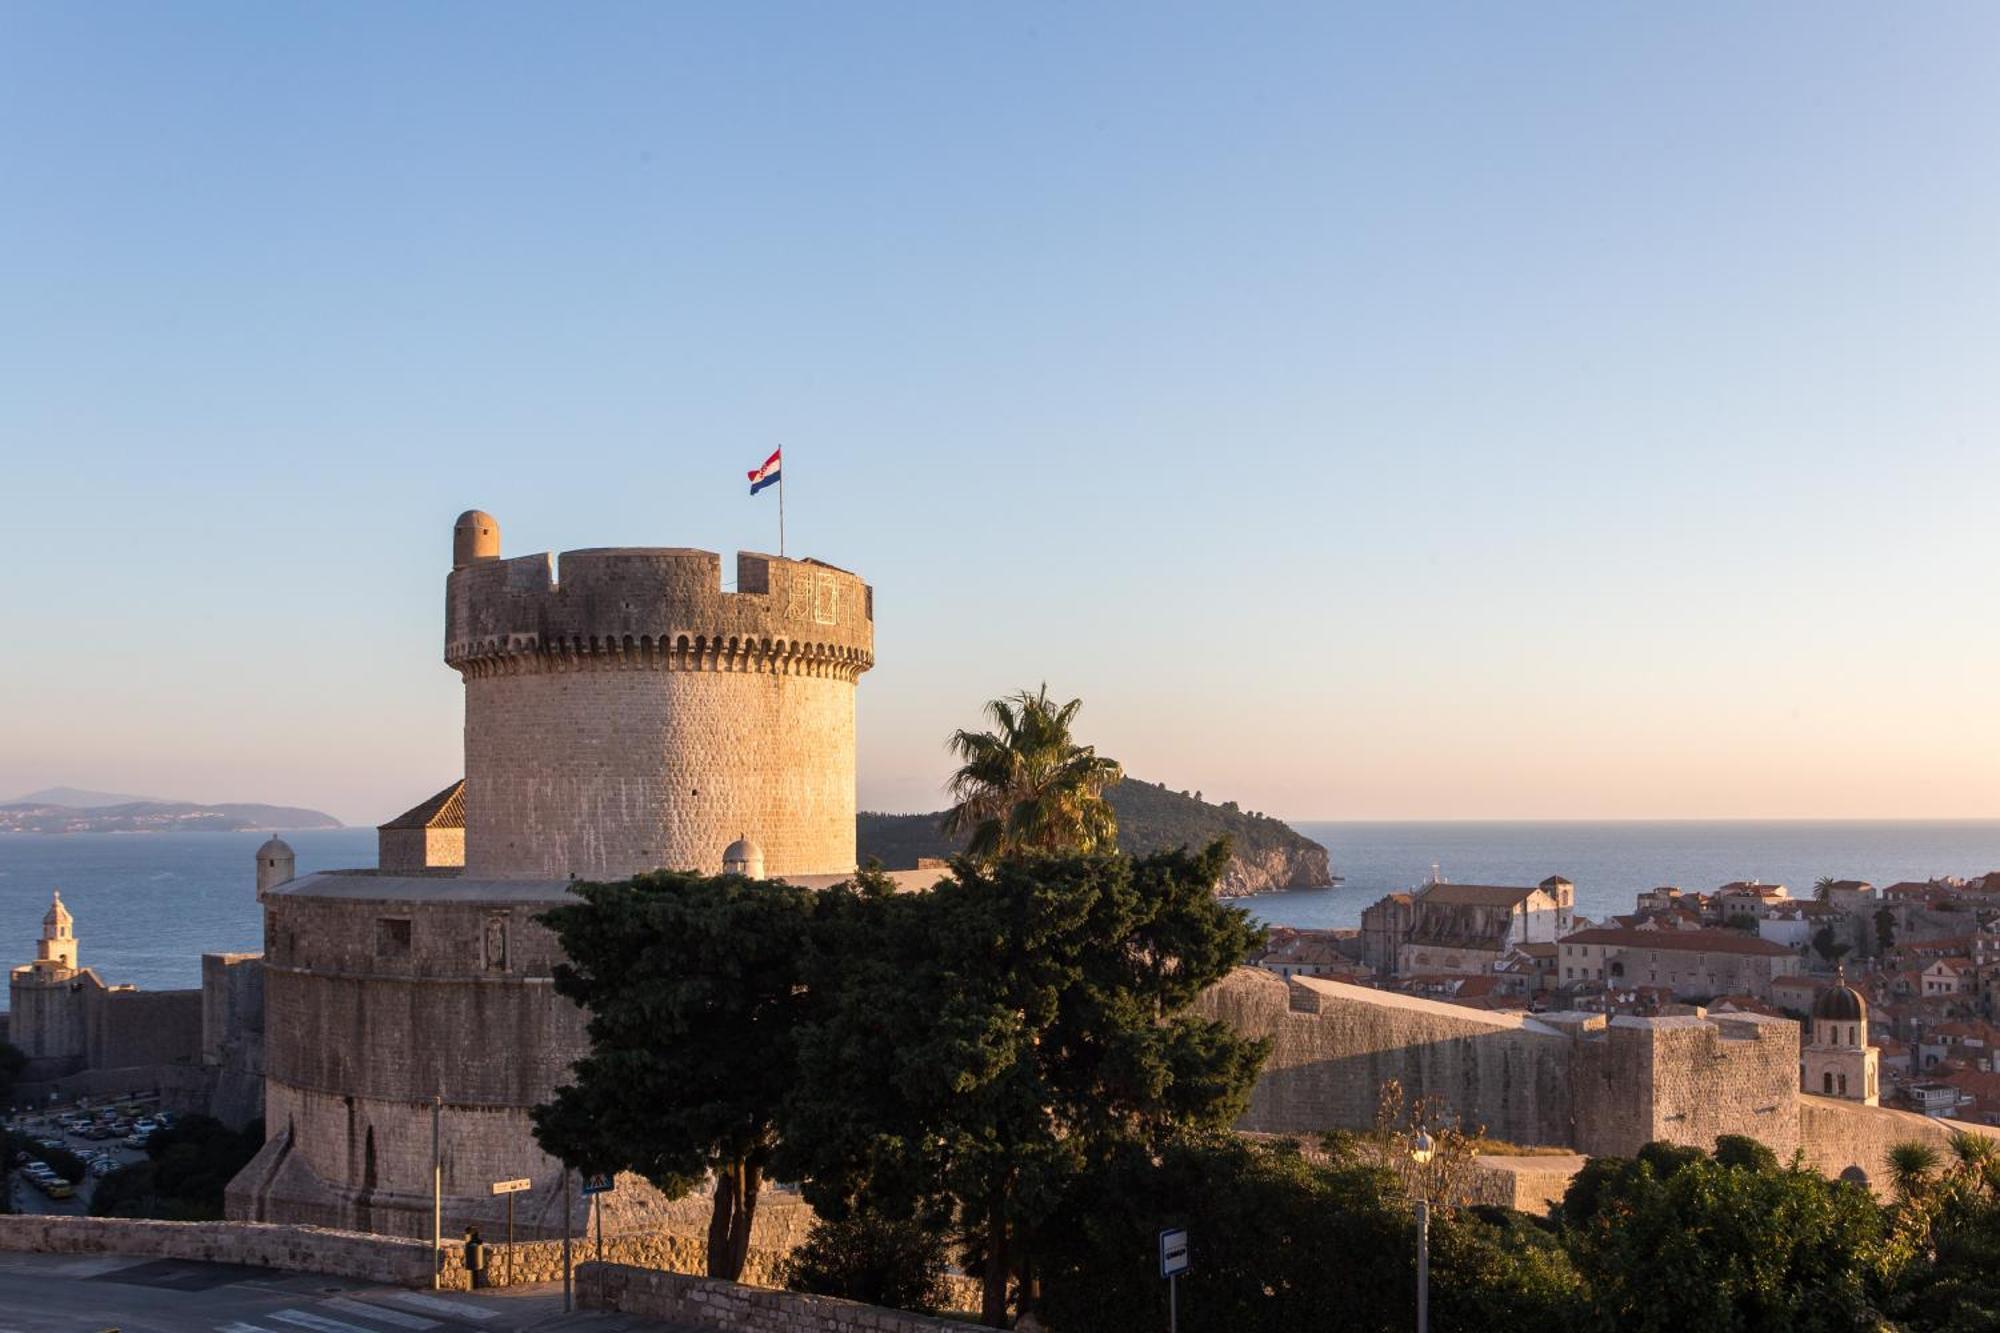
(768, 474)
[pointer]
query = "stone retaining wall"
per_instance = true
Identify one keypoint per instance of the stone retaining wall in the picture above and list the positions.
(262, 1244)
(701, 1303)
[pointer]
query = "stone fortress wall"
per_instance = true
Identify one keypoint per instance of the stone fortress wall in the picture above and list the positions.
(1578, 1081)
(623, 712)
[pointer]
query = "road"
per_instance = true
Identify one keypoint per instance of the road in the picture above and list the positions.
(51, 1293)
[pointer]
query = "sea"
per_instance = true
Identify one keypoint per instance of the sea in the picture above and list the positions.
(148, 905)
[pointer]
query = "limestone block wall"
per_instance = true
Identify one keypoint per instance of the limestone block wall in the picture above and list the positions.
(702, 1303)
(607, 774)
(127, 1028)
(46, 1020)
(1334, 1045)
(1850, 1140)
(293, 1248)
(1687, 1080)
(630, 714)
(232, 1009)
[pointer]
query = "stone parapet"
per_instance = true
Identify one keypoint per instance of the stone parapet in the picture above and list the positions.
(293, 1248)
(625, 609)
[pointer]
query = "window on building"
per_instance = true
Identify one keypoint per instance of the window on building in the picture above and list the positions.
(392, 937)
(1829, 1083)
(1843, 1085)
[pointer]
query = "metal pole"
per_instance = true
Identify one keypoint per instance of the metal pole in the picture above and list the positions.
(510, 1240)
(569, 1220)
(600, 1197)
(1174, 1304)
(1423, 1266)
(437, 1193)
(781, 509)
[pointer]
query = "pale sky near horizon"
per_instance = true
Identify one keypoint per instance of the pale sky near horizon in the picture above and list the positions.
(1385, 411)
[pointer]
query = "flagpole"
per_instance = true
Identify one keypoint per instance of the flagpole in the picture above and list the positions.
(781, 510)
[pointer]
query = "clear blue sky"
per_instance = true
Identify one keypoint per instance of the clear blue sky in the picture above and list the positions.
(1374, 411)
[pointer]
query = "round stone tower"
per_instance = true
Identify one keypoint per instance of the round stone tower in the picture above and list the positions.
(625, 712)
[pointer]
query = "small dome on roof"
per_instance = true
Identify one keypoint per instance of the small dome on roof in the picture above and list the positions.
(743, 857)
(1840, 1002)
(276, 848)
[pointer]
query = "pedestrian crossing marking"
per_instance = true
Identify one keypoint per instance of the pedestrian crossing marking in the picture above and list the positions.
(396, 1317)
(318, 1323)
(441, 1305)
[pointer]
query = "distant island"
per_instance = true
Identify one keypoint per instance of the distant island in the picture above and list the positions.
(70, 810)
(1268, 853)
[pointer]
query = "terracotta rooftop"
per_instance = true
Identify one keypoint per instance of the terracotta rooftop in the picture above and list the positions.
(1476, 895)
(444, 810)
(1684, 941)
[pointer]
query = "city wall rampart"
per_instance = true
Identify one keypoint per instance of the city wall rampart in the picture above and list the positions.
(1335, 1045)
(1850, 1140)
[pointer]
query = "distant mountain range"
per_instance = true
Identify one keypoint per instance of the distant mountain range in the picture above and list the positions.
(1267, 854)
(70, 810)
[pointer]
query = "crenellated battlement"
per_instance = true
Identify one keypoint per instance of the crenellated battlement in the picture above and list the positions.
(660, 609)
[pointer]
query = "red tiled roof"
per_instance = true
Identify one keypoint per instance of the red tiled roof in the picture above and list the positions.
(1685, 941)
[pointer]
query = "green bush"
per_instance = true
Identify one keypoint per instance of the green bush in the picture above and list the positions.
(188, 1168)
(875, 1260)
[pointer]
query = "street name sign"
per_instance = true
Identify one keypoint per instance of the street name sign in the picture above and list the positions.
(1173, 1251)
(512, 1186)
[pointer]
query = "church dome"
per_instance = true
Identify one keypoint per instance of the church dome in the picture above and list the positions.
(276, 848)
(1840, 1003)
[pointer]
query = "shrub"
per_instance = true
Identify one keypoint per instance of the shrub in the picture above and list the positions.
(872, 1259)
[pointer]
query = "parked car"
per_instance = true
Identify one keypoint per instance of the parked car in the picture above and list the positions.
(104, 1166)
(59, 1189)
(147, 1126)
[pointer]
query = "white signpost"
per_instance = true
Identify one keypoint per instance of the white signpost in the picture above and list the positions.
(1173, 1262)
(510, 1188)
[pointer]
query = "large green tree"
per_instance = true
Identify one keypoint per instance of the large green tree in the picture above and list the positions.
(1027, 786)
(973, 1048)
(1678, 1241)
(693, 993)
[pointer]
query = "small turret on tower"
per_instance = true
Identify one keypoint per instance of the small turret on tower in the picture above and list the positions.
(275, 864)
(475, 537)
(743, 857)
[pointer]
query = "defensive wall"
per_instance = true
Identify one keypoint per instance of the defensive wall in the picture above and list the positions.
(1602, 1087)
(292, 1248)
(1561, 1079)
(623, 712)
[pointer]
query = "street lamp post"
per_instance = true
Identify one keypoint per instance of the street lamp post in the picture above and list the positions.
(1420, 1153)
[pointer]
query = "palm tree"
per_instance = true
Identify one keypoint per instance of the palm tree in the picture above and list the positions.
(1026, 785)
(1912, 1166)
(1823, 886)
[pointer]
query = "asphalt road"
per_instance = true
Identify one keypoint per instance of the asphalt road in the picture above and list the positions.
(48, 1293)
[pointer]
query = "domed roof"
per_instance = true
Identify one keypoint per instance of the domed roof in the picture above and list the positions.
(276, 847)
(475, 518)
(741, 850)
(1840, 1002)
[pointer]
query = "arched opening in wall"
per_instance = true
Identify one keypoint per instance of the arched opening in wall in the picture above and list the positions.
(1829, 1083)
(1854, 1175)
(1618, 969)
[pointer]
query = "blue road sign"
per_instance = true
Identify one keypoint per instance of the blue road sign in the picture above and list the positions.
(598, 1185)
